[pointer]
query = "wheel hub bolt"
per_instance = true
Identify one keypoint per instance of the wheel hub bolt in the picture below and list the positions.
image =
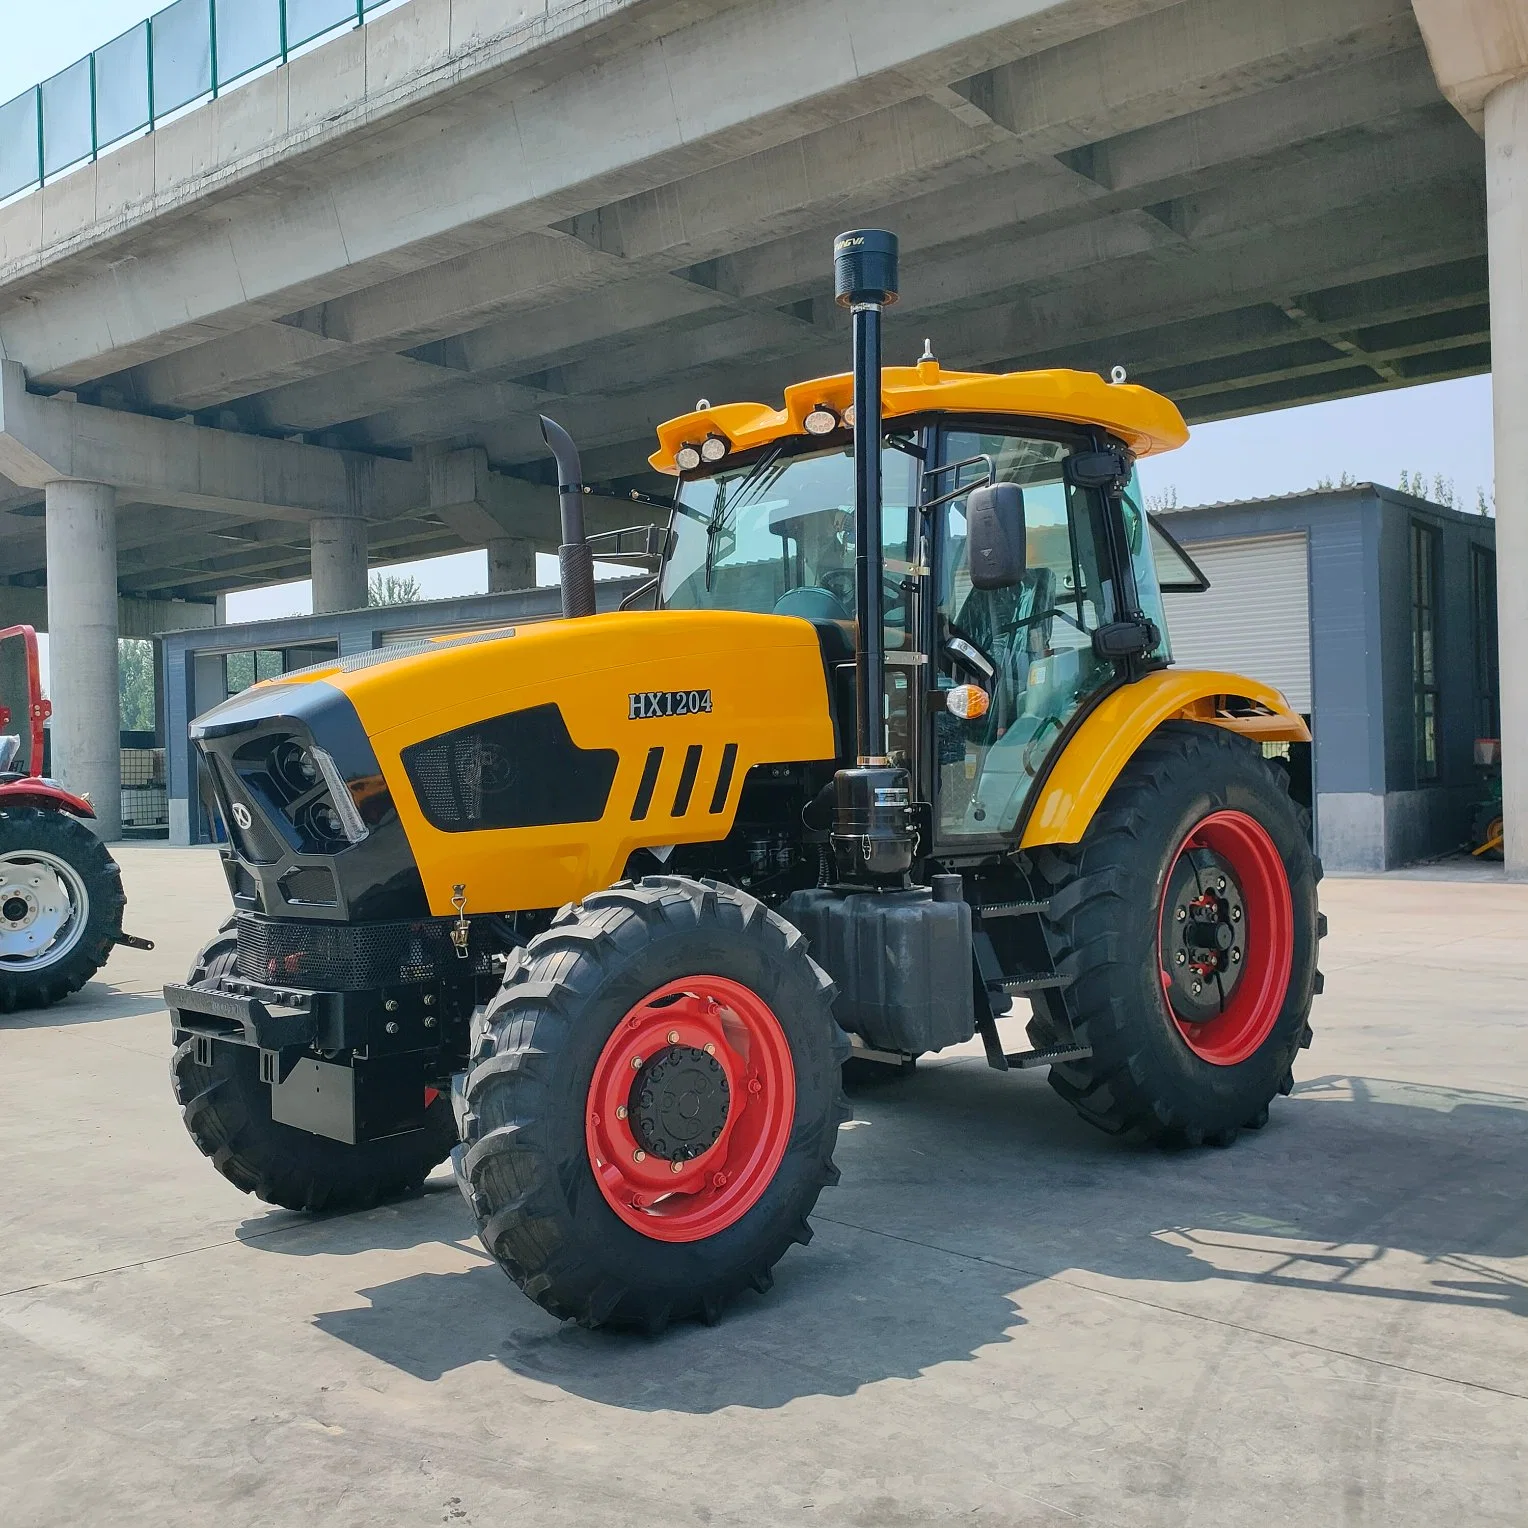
(1197, 989)
(1180, 957)
(391, 1005)
(1182, 914)
(639, 1155)
(673, 1037)
(1236, 915)
(710, 1047)
(620, 1111)
(1220, 885)
(676, 1167)
(755, 1086)
(1235, 953)
(636, 1063)
(391, 1026)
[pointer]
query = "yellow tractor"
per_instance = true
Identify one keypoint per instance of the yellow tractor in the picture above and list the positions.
(600, 906)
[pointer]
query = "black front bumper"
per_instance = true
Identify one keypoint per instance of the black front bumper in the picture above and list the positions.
(247, 1013)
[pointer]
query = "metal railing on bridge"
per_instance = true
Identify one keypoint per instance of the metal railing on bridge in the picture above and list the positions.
(189, 52)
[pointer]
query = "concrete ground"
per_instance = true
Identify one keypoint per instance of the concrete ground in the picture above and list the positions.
(1004, 1318)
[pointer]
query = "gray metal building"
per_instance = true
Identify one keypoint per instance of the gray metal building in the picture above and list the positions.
(1375, 613)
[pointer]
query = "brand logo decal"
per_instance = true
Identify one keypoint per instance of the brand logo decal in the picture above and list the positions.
(242, 816)
(645, 704)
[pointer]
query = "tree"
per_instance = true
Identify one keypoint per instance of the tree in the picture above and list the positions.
(135, 684)
(1167, 499)
(1347, 480)
(391, 589)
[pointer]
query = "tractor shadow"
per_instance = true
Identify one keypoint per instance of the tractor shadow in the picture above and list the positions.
(961, 1189)
(97, 1002)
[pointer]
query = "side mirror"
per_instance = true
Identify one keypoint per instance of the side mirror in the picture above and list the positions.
(995, 535)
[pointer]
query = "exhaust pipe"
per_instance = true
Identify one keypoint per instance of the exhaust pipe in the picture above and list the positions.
(873, 836)
(574, 558)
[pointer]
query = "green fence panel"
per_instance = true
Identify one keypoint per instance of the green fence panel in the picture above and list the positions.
(307, 19)
(18, 143)
(122, 86)
(182, 55)
(68, 131)
(248, 34)
(187, 51)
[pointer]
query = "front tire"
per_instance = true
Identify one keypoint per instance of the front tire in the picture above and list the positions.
(1188, 923)
(61, 905)
(227, 1112)
(653, 1105)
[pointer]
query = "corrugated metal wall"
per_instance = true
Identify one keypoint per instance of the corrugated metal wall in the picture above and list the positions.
(1254, 619)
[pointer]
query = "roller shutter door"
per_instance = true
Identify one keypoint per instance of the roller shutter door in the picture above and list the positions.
(1254, 618)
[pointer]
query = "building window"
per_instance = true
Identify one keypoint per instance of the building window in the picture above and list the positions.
(1425, 545)
(1487, 654)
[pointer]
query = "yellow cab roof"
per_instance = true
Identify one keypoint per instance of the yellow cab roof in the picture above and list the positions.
(1146, 421)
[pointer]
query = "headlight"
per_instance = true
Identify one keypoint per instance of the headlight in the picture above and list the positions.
(821, 421)
(714, 447)
(687, 457)
(294, 766)
(849, 416)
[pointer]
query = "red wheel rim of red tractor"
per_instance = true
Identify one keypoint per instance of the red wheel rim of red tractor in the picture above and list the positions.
(1244, 844)
(715, 1189)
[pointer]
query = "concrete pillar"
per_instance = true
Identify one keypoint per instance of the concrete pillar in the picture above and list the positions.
(82, 646)
(339, 565)
(1506, 124)
(511, 565)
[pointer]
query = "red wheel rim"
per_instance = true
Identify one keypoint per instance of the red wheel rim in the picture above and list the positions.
(689, 1199)
(1251, 1008)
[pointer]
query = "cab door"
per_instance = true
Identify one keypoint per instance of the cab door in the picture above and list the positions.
(1028, 648)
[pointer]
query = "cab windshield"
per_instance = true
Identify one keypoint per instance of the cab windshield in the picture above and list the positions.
(777, 536)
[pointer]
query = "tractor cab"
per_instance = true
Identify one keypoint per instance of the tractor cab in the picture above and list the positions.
(984, 676)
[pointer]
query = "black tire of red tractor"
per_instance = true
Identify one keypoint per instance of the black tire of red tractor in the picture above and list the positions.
(524, 1163)
(1103, 926)
(227, 1112)
(56, 833)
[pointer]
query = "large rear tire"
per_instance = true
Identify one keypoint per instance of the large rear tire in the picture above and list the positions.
(61, 905)
(1187, 920)
(653, 1105)
(227, 1111)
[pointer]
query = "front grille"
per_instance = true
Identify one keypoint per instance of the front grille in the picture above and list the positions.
(310, 884)
(354, 957)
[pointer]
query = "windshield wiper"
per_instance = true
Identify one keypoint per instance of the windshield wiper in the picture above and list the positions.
(759, 480)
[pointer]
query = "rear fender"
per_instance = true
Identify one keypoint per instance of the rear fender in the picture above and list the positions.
(45, 796)
(1111, 733)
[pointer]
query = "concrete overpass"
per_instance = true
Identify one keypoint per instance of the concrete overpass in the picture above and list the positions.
(313, 320)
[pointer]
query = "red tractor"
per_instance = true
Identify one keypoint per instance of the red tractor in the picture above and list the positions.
(61, 899)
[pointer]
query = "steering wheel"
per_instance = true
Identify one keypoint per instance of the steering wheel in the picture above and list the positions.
(839, 582)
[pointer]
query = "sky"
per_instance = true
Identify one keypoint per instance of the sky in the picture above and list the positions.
(1443, 429)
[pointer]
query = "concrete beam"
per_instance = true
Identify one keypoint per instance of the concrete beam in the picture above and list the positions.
(135, 617)
(843, 173)
(1230, 268)
(510, 156)
(191, 466)
(1476, 46)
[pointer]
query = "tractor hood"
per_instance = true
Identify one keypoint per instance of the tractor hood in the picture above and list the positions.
(526, 763)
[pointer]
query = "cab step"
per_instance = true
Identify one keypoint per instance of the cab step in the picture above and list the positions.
(1010, 909)
(1035, 982)
(1052, 1055)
